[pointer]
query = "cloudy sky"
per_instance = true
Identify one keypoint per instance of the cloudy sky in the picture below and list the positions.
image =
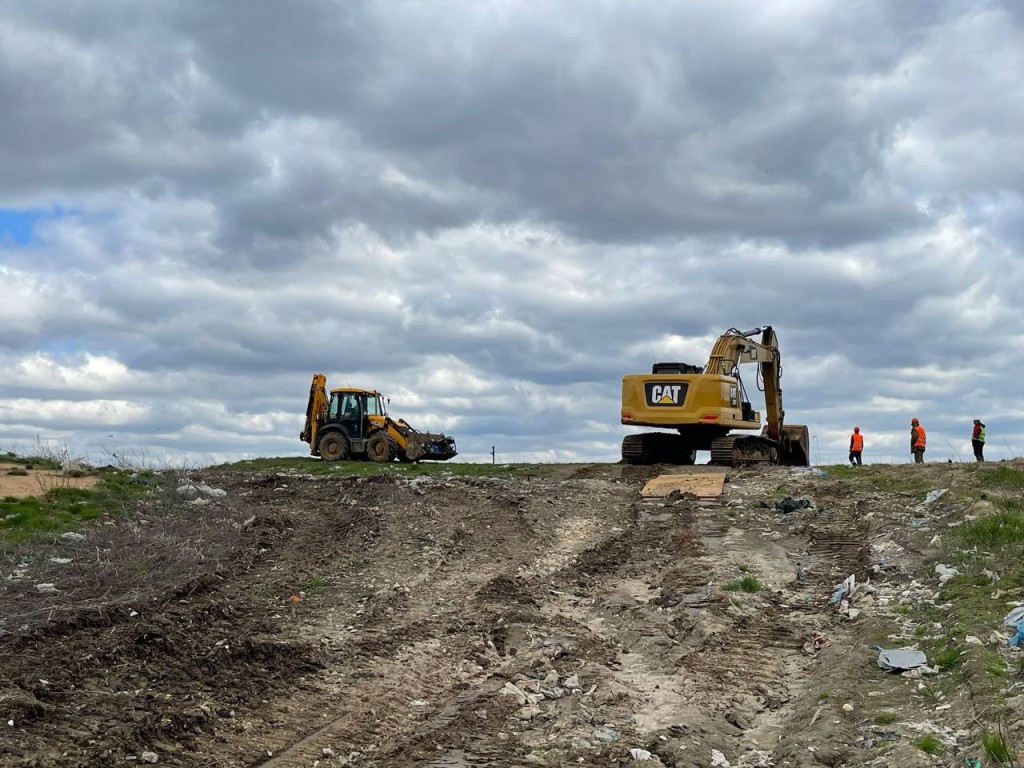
(492, 210)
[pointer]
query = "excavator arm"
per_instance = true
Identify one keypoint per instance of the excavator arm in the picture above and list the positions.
(735, 348)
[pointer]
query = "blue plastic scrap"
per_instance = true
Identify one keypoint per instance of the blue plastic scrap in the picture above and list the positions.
(1017, 641)
(842, 590)
(1015, 619)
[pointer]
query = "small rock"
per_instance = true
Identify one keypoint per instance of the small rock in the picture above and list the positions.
(847, 707)
(527, 713)
(149, 757)
(47, 588)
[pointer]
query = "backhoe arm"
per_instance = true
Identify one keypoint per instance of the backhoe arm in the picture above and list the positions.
(316, 411)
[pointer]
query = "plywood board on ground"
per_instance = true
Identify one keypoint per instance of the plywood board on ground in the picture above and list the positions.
(705, 485)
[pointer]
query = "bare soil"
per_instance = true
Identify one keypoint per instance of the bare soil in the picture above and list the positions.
(444, 621)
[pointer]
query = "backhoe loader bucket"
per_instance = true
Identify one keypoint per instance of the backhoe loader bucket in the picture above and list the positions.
(795, 448)
(427, 446)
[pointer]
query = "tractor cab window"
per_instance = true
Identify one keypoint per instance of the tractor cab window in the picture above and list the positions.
(373, 406)
(332, 409)
(349, 406)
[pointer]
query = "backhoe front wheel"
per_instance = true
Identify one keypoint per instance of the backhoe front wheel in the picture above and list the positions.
(380, 447)
(334, 447)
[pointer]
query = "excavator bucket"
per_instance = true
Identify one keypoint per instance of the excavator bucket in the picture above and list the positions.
(795, 448)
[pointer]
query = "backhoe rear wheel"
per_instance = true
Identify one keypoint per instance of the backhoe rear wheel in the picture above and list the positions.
(334, 446)
(380, 447)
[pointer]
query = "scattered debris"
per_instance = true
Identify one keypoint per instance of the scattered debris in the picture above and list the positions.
(191, 490)
(639, 754)
(47, 588)
(935, 495)
(945, 572)
(788, 504)
(718, 760)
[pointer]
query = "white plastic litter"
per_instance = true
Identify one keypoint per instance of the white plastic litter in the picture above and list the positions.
(945, 572)
(639, 754)
(718, 760)
(1014, 617)
(935, 495)
(901, 658)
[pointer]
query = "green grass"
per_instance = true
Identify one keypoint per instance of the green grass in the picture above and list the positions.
(313, 584)
(995, 747)
(18, 472)
(930, 744)
(746, 584)
(995, 531)
(63, 509)
(314, 466)
(1000, 477)
(885, 718)
(947, 656)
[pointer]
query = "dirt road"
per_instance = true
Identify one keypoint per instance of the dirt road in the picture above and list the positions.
(477, 621)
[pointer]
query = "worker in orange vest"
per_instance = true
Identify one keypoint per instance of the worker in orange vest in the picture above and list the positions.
(856, 446)
(917, 441)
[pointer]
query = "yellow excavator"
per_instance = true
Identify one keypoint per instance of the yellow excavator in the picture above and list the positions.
(703, 405)
(352, 423)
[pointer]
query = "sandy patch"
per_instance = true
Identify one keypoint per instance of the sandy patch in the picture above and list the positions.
(37, 481)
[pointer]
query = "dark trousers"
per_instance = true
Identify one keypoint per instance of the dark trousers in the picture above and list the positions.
(919, 455)
(855, 457)
(978, 446)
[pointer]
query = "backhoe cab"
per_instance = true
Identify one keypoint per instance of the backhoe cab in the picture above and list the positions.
(353, 423)
(704, 404)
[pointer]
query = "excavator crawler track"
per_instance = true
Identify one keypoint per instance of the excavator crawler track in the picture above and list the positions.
(744, 450)
(657, 448)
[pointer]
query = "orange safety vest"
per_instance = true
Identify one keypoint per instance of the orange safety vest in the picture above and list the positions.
(856, 442)
(920, 441)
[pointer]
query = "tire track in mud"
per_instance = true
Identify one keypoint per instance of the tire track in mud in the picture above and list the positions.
(468, 607)
(462, 622)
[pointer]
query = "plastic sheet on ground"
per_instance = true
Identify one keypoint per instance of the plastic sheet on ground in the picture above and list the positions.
(935, 495)
(894, 659)
(1015, 617)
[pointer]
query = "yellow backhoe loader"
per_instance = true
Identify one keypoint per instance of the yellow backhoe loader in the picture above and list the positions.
(703, 405)
(354, 424)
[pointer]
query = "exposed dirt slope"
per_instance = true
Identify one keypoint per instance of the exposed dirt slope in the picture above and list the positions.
(388, 621)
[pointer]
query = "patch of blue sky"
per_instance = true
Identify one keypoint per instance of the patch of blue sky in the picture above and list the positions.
(63, 346)
(20, 226)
